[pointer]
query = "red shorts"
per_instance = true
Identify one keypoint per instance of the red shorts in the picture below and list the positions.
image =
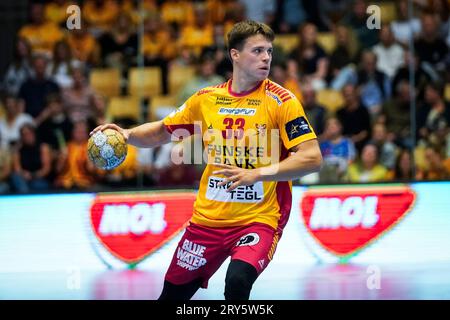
(202, 250)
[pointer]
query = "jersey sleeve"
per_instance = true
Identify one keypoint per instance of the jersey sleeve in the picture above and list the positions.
(185, 117)
(294, 126)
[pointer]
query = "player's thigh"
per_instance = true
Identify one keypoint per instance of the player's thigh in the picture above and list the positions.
(255, 245)
(199, 254)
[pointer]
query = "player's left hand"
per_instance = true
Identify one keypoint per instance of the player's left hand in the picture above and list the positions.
(238, 176)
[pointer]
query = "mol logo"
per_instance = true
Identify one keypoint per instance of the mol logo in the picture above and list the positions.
(343, 221)
(128, 228)
(137, 219)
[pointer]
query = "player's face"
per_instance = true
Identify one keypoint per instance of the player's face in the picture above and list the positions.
(255, 57)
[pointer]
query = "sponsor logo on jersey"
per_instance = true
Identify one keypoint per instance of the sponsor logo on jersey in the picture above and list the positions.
(248, 240)
(273, 96)
(244, 194)
(297, 127)
(344, 221)
(237, 111)
(223, 100)
(204, 91)
(128, 228)
(261, 129)
(253, 102)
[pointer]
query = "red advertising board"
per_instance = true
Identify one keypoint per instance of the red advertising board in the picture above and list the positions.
(132, 226)
(345, 220)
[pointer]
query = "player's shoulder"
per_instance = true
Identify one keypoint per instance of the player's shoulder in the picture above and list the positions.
(219, 88)
(278, 93)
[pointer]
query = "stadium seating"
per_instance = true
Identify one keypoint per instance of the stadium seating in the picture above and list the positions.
(287, 42)
(178, 76)
(105, 81)
(124, 107)
(144, 82)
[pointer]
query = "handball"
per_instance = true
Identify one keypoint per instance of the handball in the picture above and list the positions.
(107, 149)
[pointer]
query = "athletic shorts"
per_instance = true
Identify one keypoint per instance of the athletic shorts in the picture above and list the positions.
(202, 250)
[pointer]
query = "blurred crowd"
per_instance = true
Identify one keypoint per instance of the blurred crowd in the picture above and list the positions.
(353, 81)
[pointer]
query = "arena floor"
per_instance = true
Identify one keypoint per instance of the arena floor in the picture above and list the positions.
(316, 282)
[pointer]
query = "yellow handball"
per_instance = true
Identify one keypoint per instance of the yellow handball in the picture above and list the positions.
(107, 149)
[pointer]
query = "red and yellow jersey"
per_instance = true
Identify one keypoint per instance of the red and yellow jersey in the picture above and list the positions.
(250, 130)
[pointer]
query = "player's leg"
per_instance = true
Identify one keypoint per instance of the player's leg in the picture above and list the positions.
(239, 280)
(199, 254)
(253, 247)
(180, 292)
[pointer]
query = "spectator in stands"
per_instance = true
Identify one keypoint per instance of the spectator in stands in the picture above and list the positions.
(434, 114)
(5, 166)
(56, 12)
(290, 14)
(205, 77)
(12, 122)
(55, 127)
(368, 168)
(309, 59)
(158, 48)
(396, 113)
(434, 169)
(331, 12)
(337, 151)
(41, 34)
(354, 117)
(421, 76)
(83, 45)
(405, 27)
(387, 149)
(218, 10)
(61, 66)
(19, 70)
(442, 9)
(315, 112)
(262, 11)
(119, 44)
(74, 170)
(280, 75)
(35, 90)
(403, 169)
(197, 36)
(357, 21)
(99, 103)
(101, 15)
(138, 10)
(374, 85)
(177, 13)
(342, 69)
(236, 13)
(31, 162)
(389, 54)
(78, 99)
(431, 49)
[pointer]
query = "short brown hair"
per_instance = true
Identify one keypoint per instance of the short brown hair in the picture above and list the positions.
(246, 29)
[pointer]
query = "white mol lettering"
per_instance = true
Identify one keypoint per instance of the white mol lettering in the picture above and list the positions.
(137, 219)
(332, 213)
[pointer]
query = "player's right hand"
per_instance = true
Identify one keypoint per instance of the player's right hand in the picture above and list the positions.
(124, 132)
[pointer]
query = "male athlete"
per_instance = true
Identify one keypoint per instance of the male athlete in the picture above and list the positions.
(244, 198)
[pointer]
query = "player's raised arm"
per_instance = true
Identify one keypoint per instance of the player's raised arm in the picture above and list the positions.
(147, 135)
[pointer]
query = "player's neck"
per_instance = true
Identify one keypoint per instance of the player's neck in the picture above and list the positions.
(241, 85)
